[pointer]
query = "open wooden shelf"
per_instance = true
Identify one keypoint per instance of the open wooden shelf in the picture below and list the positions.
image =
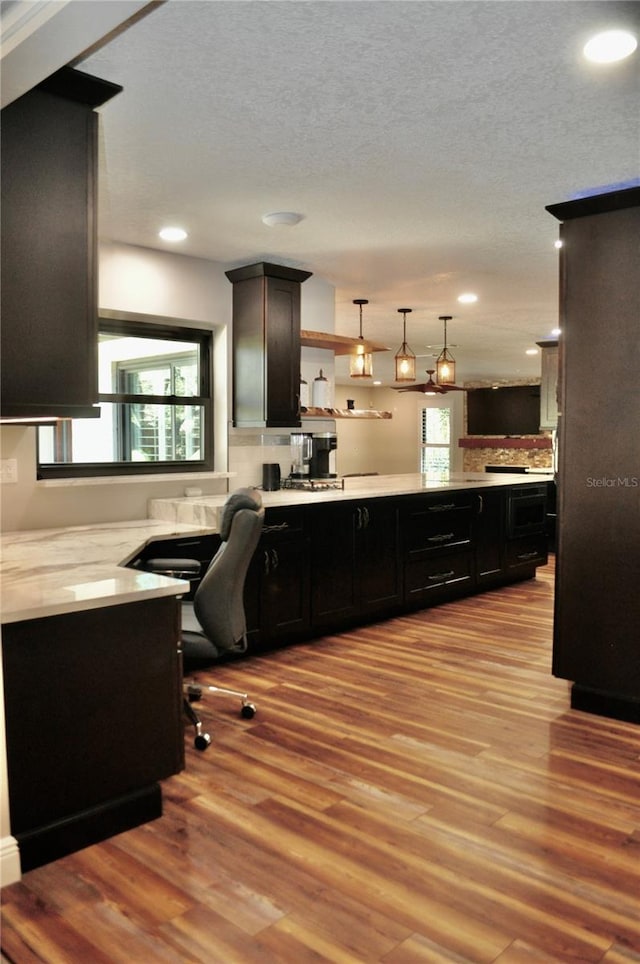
(343, 413)
(338, 344)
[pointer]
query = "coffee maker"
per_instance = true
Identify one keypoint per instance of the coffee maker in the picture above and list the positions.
(301, 450)
(323, 458)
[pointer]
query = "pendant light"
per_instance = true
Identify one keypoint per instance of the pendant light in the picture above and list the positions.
(405, 358)
(445, 363)
(361, 362)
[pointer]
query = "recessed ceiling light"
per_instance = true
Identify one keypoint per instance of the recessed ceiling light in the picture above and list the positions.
(468, 298)
(377, 383)
(556, 331)
(285, 219)
(610, 46)
(531, 351)
(172, 234)
(558, 243)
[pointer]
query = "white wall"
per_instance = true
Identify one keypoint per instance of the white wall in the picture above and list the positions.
(390, 446)
(154, 284)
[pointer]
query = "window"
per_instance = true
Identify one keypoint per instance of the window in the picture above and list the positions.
(155, 407)
(435, 441)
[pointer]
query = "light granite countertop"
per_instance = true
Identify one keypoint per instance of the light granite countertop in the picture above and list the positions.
(46, 572)
(204, 510)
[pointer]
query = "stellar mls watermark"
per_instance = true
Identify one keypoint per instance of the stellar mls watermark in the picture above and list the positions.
(613, 482)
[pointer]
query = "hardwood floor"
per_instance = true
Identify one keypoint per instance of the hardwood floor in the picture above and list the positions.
(414, 791)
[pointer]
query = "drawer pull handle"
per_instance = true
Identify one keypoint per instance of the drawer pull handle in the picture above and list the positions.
(442, 537)
(528, 555)
(442, 508)
(276, 528)
(441, 576)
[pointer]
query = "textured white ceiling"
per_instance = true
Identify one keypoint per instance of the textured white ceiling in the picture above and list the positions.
(420, 140)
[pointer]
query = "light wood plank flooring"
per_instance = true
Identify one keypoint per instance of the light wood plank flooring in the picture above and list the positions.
(413, 791)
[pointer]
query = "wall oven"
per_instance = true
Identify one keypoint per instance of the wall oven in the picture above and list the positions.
(526, 511)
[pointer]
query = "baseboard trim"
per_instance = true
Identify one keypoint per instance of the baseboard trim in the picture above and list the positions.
(10, 871)
(43, 844)
(623, 708)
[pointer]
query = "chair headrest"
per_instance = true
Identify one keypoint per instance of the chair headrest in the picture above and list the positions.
(240, 499)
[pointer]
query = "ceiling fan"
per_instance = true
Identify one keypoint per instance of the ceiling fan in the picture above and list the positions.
(431, 387)
(445, 372)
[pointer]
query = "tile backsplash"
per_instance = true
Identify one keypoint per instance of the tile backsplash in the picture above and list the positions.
(250, 448)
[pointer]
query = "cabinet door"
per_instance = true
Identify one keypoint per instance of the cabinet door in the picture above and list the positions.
(285, 588)
(334, 594)
(49, 273)
(549, 388)
(49, 304)
(378, 559)
(266, 345)
(489, 529)
(283, 352)
(277, 603)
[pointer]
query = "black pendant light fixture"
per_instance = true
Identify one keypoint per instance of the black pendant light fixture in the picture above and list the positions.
(405, 358)
(361, 361)
(445, 363)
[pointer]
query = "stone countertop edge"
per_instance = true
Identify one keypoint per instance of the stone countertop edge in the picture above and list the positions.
(49, 572)
(203, 510)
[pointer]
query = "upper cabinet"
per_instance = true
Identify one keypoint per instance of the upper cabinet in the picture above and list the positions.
(548, 385)
(266, 345)
(49, 271)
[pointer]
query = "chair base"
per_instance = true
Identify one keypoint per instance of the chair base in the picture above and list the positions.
(193, 693)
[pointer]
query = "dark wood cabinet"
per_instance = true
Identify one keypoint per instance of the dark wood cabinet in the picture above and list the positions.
(334, 578)
(85, 753)
(277, 587)
(378, 555)
(437, 540)
(49, 272)
(489, 535)
(327, 566)
(597, 608)
(355, 561)
(266, 345)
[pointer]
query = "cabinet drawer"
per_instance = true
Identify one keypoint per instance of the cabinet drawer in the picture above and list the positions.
(529, 551)
(437, 528)
(424, 577)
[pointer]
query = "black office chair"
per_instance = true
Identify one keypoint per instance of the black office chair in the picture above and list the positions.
(214, 623)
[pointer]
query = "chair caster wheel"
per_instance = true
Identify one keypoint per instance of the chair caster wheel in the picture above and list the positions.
(202, 741)
(248, 711)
